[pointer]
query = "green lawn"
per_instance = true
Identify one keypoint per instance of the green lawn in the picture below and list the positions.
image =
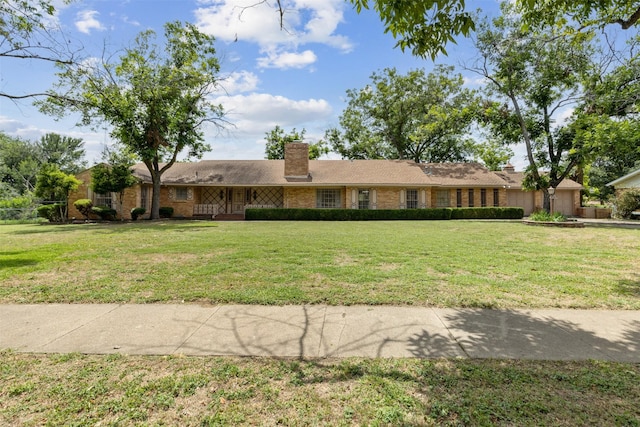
(440, 263)
(193, 391)
(431, 263)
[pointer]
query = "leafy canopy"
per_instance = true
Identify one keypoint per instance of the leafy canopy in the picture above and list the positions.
(154, 97)
(277, 138)
(417, 116)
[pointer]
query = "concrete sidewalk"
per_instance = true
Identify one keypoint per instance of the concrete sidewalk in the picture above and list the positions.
(321, 331)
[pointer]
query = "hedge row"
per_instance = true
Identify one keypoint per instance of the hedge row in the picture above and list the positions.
(381, 214)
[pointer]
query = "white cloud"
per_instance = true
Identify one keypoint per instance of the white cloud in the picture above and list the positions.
(305, 21)
(238, 82)
(260, 112)
(86, 21)
(286, 60)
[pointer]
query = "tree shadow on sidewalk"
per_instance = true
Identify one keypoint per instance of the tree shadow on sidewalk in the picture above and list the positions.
(520, 335)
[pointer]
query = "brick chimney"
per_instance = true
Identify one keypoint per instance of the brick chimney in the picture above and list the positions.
(296, 160)
(508, 168)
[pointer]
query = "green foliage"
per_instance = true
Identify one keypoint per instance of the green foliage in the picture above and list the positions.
(17, 208)
(65, 152)
(104, 212)
(137, 212)
(27, 32)
(346, 214)
(382, 214)
(54, 185)
(21, 160)
(155, 97)
(533, 76)
(487, 213)
(166, 211)
(276, 140)
(425, 27)
(418, 116)
(55, 212)
(626, 202)
(544, 216)
(493, 154)
(83, 206)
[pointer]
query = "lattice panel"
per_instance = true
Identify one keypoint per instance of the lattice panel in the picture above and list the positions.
(267, 196)
(211, 196)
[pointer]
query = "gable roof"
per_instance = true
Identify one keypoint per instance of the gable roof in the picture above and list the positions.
(630, 178)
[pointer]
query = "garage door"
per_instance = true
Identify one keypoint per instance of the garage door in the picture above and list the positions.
(564, 202)
(523, 199)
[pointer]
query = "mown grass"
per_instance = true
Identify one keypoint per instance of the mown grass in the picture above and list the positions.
(434, 263)
(78, 389)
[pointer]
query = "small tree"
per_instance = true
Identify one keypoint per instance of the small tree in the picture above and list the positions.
(54, 185)
(115, 177)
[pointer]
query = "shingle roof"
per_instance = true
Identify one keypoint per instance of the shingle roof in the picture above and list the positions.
(271, 173)
(514, 180)
(338, 173)
(461, 175)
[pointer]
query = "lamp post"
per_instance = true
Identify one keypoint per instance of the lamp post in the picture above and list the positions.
(552, 196)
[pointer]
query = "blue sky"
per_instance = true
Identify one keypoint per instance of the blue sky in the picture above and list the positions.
(293, 78)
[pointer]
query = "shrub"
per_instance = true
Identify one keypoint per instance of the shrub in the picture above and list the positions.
(544, 216)
(166, 212)
(487, 213)
(17, 208)
(346, 214)
(104, 212)
(84, 207)
(382, 214)
(52, 212)
(626, 202)
(136, 212)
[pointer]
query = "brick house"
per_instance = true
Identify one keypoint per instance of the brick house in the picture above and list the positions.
(209, 188)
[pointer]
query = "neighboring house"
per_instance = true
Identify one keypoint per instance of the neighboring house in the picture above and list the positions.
(630, 180)
(567, 194)
(213, 187)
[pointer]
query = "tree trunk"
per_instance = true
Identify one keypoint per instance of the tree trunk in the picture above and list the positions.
(155, 196)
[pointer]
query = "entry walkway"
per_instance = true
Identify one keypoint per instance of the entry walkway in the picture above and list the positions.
(318, 331)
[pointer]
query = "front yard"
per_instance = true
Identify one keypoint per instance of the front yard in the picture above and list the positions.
(430, 263)
(446, 264)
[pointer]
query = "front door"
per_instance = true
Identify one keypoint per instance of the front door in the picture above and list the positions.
(237, 201)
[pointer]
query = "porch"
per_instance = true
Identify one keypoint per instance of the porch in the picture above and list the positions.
(231, 202)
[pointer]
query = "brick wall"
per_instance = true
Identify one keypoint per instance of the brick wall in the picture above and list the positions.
(301, 197)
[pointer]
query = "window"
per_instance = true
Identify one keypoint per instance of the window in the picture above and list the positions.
(496, 197)
(144, 197)
(328, 198)
(442, 198)
(483, 197)
(459, 197)
(412, 199)
(182, 193)
(471, 197)
(363, 199)
(103, 199)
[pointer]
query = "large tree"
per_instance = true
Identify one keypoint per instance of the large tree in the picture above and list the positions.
(20, 160)
(533, 78)
(276, 140)
(29, 32)
(154, 97)
(63, 151)
(417, 116)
